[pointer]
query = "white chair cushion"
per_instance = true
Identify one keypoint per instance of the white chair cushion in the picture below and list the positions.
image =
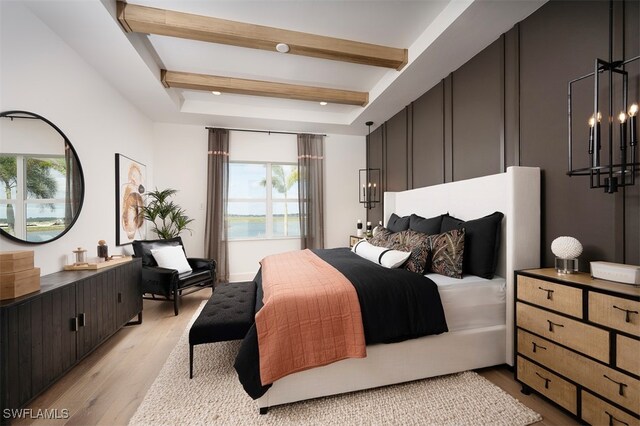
(172, 258)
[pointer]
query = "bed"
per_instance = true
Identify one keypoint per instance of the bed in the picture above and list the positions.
(474, 340)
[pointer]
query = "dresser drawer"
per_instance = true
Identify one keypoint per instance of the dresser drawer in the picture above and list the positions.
(584, 371)
(628, 354)
(597, 412)
(548, 384)
(574, 334)
(612, 312)
(560, 298)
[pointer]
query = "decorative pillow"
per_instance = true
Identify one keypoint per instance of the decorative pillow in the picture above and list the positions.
(397, 223)
(172, 258)
(416, 243)
(380, 255)
(430, 226)
(447, 252)
(482, 242)
(381, 239)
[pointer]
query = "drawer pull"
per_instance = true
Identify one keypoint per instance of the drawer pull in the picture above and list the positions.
(622, 385)
(549, 292)
(536, 346)
(553, 324)
(627, 313)
(546, 381)
(611, 419)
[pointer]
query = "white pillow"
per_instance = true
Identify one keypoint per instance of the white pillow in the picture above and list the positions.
(380, 255)
(171, 258)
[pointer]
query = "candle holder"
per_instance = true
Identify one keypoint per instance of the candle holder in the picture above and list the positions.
(369, 187)
(616, 167)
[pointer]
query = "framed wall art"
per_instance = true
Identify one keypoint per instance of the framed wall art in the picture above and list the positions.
(131, 179)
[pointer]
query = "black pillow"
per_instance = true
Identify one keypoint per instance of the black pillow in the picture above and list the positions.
(481, 242)
(430, 226)
(397, 223)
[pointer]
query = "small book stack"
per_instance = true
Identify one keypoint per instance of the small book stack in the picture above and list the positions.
(17, 274)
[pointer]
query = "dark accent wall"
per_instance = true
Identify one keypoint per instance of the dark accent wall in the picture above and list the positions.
(508, 106)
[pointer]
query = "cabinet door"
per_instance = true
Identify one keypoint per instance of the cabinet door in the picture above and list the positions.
(96, 310)
(129, 299)
(38, 345)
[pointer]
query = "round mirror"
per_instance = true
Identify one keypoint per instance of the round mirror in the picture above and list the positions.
(41, 181)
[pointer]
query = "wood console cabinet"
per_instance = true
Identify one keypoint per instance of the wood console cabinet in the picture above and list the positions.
(578, 344)
(44, 334)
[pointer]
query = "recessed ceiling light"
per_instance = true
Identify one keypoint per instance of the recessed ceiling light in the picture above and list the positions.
(323, 103)
(282, 47)
(215, 92)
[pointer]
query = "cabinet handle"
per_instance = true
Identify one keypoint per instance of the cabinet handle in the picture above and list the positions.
(546, 381)
(82, 319)
(536, 346)
(611, 419)
(553, 324)
(549, 292)
(620, 384)
(627, 313)
(74, 324)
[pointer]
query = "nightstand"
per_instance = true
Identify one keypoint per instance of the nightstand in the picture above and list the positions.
(577, 343)
(353, 240)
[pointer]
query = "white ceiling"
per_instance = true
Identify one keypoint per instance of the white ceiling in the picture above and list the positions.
(441, 35)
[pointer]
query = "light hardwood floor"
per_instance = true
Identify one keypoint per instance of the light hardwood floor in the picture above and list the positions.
(108, 385)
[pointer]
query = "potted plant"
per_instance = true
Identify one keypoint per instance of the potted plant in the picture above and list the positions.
(168, 218)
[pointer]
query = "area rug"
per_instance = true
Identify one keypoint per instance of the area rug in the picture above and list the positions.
(214, 396)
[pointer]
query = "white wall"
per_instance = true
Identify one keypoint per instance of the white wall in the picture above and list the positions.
(42, 74)
(180, 160)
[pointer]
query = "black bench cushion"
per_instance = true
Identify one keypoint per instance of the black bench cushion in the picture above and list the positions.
(227, 315)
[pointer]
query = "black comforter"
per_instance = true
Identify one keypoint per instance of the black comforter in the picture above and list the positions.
(396, 305)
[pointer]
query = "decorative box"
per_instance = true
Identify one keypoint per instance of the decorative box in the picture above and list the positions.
(17, 274)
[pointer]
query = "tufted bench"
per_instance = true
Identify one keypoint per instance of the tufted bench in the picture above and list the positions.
(227, 315)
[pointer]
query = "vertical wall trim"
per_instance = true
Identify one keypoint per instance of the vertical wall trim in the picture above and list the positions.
(503, 124)
(409, 123)
(384, 154)
(512, 97)
(516, 145)
(448, 128)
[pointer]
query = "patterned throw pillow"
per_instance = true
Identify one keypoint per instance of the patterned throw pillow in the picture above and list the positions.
(415, 242)
(447, 251)
(382, 238)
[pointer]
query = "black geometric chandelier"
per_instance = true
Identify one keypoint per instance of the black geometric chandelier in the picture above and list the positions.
(369, 183)
(620, 165)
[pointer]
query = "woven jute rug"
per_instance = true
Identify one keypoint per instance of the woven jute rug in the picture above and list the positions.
(215, 396)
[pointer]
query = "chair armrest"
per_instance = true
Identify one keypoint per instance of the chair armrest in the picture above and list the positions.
(156, 273)
(198, 263)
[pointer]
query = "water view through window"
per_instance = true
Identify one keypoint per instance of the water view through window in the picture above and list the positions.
(263, 201)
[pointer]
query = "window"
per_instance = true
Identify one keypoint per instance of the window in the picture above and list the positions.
(32, 196)
(263, 201)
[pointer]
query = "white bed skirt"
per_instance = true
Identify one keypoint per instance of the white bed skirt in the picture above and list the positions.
(393, 363)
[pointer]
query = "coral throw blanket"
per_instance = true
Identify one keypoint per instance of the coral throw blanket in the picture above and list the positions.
(311, 316)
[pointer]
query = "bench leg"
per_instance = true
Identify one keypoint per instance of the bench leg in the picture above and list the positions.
(191, 361)
(175, 303)
(264, 410)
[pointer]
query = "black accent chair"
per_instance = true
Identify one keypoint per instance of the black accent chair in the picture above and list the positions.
(167, 282)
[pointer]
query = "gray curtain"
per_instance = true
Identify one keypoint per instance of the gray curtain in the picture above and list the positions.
(311, 190)
(215, 241)
(73, 185)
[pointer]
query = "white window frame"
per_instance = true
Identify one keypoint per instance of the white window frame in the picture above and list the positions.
(269, 200)
(21, 200)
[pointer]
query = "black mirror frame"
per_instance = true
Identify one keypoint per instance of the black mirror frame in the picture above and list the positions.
(73, 150)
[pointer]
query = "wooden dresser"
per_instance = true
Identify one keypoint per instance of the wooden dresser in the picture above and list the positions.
(578, 344)
(44, 334)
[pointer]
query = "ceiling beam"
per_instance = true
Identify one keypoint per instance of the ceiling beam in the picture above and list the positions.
(149, 20)
(185, 80)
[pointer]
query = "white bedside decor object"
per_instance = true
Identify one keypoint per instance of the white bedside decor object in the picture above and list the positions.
(566, 250)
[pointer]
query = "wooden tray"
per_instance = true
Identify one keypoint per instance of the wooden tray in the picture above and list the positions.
(98, 265)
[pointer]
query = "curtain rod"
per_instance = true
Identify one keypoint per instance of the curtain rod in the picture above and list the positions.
(263, 131)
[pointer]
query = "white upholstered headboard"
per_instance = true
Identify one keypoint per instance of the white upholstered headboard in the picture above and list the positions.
(515, 193)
